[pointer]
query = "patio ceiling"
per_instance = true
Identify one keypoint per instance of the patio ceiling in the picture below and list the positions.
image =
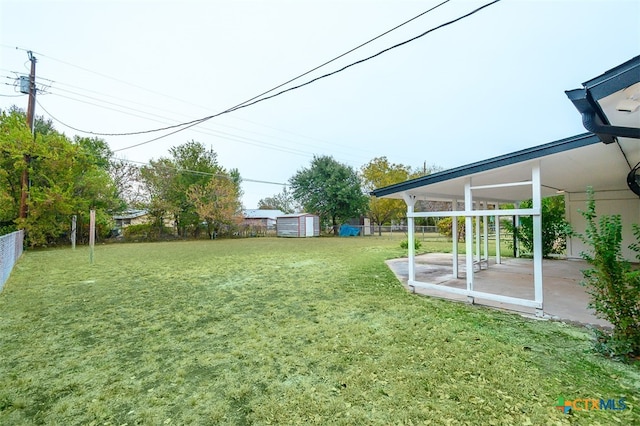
(568, 165)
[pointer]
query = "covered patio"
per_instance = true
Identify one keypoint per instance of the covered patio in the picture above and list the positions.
(565, 299)
(607, 160)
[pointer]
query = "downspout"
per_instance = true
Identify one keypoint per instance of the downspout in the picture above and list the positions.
(607, 132)
(595, 121)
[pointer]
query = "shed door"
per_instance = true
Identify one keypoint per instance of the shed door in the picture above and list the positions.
(308, 227)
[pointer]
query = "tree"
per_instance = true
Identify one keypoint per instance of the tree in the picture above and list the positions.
(128, 183)
(379, 173)
(168, 180)
(217, 203)
(283, 201)
(554, 226)
(65, 179)
(330, 189)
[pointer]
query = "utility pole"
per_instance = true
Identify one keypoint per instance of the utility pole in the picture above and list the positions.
(24, 180)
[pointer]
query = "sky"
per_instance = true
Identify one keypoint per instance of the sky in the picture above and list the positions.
(487, 85)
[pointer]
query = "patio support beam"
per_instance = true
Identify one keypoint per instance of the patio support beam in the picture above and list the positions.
(537, 237)
(454, 239)
(478, 254)
(497, 229)
(468, 237)
(485, 236)
(516, 243)
(410, 200)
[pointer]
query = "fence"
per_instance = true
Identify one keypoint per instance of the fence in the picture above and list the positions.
(11, 246)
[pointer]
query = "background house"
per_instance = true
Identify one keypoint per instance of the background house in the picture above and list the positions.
(131, 217)
(261, 218)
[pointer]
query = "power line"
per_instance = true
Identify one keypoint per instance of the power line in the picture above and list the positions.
(248, 102)
(284, 149)
(203, 130)
(197, 172)
(245, 105)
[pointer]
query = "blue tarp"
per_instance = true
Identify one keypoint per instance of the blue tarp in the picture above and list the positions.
(348, 231)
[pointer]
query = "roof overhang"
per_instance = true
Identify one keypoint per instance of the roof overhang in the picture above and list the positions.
(565, 166)
(610, 107)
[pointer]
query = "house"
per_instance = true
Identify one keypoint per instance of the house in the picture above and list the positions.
(298, 225)
(261, 218)
(606, 159)
(136, 217)
(131, 217)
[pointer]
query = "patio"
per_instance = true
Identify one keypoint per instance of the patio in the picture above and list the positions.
(564, 298)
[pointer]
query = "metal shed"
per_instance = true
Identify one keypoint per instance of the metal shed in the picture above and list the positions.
(298, 225)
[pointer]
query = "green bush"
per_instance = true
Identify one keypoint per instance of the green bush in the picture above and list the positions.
(416, 244)
(554, 226)
(146, 232)
(445, 227)
(613, 285)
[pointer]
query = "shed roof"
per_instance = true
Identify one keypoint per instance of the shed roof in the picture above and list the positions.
(262, 214)
(297, 215)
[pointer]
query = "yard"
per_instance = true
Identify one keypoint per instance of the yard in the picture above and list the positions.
(278, 331)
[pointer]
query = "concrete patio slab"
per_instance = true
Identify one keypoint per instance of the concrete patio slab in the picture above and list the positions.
(563, 296)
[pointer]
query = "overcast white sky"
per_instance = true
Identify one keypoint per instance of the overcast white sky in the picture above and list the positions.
(488, 85)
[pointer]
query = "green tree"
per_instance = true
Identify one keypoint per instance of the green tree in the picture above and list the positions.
(65, 179)
(218, 203)
(330, 189)
(168, 181)
(379, 173)
(283, 201)
(554, 226)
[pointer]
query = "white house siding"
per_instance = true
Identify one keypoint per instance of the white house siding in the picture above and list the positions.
(624, 203)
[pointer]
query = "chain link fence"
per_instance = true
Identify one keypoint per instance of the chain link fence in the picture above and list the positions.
(11, 246)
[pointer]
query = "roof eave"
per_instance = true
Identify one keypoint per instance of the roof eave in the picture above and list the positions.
(492, 163)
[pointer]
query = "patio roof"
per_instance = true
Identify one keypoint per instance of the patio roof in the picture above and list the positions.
(602, 159)
(610, 105)
(565, 166)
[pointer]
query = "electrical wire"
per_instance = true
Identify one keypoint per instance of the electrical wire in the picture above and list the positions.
(240, 106)
(186, 125)
(211, 132)
(360, 152)
(197, 172)
(248, 102)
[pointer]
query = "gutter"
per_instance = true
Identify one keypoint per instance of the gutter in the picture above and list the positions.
(594, 119)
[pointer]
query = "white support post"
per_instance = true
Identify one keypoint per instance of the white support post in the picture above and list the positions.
(468, 236)
(410, 200)
(497, 228)
(478, 254)
(485, 235)
(537, 237)
(454, 237)
(516, 242)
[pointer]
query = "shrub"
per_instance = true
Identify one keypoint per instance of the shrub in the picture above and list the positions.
(445, 227)
(146, 232)
(416, 244)
(554, 226)
(613, 285)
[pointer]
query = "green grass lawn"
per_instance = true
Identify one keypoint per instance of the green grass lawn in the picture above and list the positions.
(278, 331)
